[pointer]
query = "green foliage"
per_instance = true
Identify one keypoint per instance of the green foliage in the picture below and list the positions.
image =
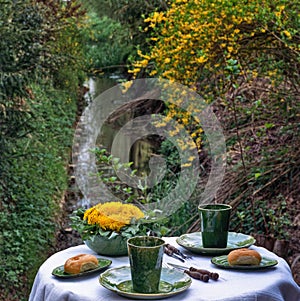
(271, 218)
(65, 27)
(21, 55)
(108, 44)
(120, 23)
(34, 183)
(40, 48)
(129, 13)
(184, 218)
(265, 120)
(39, 41)
(109, 170)
(20, 23)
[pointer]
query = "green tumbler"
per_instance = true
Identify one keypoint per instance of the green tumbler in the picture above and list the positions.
(214, 224)
(145, 257)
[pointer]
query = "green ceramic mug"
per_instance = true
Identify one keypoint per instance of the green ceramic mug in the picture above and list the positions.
(145, 257)
(214, 224)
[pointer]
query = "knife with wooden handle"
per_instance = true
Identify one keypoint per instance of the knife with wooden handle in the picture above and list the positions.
(211, 275)
(193, 274)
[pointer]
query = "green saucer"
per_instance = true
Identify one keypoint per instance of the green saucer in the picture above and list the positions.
(193, 243)
(118, 280)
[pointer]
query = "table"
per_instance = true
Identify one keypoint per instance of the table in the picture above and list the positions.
(271, 284)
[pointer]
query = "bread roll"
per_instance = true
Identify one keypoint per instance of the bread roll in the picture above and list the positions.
(244, 257)
(80, 263)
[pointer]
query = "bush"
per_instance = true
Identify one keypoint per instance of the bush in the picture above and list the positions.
(41, 67)
(129, 14)
(34, 184)
(39, 41)
(195, 40)
(108, 44)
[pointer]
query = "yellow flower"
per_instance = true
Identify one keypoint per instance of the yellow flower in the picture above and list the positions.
(144, 63)
(167, 60)
(135, 70)
(186, 165)
(230, 49)
(153, 72)
(201, 59)
(112, 216)
(288, 34)
(125, 86)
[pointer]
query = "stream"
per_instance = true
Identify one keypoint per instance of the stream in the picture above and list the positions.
(73, 197)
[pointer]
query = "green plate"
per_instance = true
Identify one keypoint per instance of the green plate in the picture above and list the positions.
(118, 280)
(102, 264)
(222, 262)
(193, 243)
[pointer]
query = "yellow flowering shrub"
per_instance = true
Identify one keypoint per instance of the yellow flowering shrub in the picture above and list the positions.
(112, 216)
(193, 40)
(216, 46)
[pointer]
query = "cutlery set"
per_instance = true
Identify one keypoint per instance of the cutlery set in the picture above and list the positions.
(199, 274)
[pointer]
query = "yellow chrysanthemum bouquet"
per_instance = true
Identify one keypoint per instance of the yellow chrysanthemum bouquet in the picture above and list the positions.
(106, 227)
(112, 216)
(110, 219)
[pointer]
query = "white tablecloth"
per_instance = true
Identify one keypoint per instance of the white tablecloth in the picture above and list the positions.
(271, 284)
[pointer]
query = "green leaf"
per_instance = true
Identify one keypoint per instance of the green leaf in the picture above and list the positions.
(269, 125)
(257, 175)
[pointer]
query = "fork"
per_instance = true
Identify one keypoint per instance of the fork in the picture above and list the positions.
(176, 253)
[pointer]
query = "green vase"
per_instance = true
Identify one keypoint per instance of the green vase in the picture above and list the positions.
(116, 246)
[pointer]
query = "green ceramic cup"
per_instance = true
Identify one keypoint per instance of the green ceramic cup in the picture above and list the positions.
(145, 257)
(214, 224)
